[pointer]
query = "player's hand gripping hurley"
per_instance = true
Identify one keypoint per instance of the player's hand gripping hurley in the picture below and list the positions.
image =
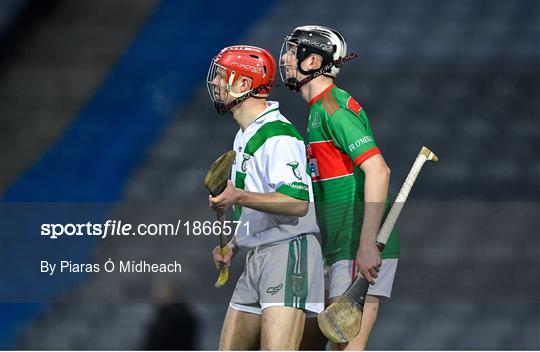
(216, 181)
(340, 322)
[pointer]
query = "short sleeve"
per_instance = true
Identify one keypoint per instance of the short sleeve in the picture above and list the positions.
(284, 165)
(352, 134)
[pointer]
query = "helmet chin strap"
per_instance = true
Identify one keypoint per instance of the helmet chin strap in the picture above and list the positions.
(222, 108)
(293, 84)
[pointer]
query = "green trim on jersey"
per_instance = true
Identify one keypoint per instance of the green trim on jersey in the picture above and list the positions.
(298, 190)
(268, 130)
(296, 284)
(239, 182)
(266, 113)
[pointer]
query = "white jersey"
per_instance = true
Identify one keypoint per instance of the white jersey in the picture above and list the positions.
(271, 157)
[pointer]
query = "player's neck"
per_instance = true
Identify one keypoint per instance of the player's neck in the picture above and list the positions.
(315, 87)
(247, 111)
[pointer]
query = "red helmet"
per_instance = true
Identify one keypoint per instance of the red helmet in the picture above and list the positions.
(242, 60)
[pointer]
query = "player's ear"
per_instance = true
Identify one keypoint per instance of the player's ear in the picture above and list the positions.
(246, 84)
(314, 61)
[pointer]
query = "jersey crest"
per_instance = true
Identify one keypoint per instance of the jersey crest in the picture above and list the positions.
(297, 284)
(316, 121)
(244, 162)
(294, 167)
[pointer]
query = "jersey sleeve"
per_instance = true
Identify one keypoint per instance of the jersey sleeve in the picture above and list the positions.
(284, 166)
(352, 134)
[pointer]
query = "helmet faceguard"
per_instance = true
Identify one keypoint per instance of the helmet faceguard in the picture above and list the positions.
(289, 65)
(239, 61)
(307, 40)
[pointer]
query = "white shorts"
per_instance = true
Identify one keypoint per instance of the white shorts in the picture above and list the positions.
(339, 276)
(287, 274)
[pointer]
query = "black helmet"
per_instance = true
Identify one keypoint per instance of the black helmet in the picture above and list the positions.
(321, 40)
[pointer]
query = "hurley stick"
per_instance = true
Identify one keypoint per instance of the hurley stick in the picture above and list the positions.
(340, 322)
(216, 181)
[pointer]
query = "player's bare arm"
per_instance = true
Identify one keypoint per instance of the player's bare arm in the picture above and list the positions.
(377, 179)
(274, 202)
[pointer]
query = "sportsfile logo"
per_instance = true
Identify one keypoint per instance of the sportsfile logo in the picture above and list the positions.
(119, 228)
(253, 69)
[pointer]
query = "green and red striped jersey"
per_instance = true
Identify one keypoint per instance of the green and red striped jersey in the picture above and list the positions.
(340, 140)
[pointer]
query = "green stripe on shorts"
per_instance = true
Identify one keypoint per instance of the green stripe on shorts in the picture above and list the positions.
(296, 283)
